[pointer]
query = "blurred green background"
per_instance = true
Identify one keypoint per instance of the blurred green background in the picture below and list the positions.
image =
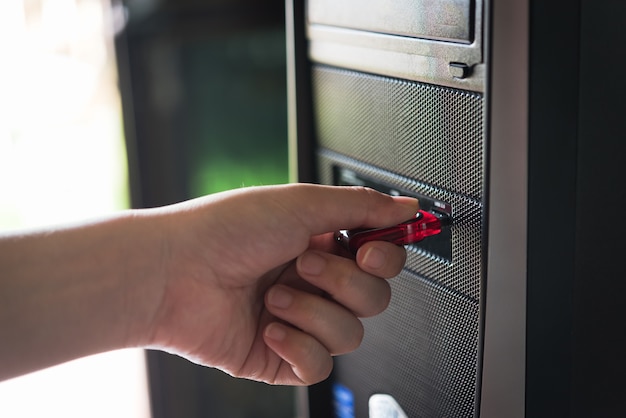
(237, 111)
(204, 95)
(203, 86)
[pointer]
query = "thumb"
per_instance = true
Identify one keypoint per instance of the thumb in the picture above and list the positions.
(329, 208)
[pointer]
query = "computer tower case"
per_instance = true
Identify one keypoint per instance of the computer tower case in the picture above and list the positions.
(509, 116)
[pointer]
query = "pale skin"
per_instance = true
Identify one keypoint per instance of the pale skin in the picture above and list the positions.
(248, 281)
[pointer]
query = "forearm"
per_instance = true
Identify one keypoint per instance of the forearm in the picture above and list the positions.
(67, 293)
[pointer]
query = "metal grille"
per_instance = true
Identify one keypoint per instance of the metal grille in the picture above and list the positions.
(423, 350)
(421, 131)
(428, 140)
(463, 274)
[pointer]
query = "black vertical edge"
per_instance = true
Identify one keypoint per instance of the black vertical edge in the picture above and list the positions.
(128, 112)
(300, 123)
(552, 164)
(599, 333)
(155, 156)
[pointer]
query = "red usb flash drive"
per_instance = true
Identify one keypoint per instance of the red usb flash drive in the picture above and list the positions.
(424, 224)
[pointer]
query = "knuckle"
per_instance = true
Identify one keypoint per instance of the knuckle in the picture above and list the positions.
(345, 281)
(378, 304)
(373, 197)
(401, 261)
(312, 313)
(383, 300)
(357, 337)
(325, 369)
(350, 340)
(317, 370)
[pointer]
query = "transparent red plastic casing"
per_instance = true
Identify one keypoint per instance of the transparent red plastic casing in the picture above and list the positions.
(423, 225)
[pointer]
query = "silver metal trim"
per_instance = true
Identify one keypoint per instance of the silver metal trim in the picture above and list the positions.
(411, 58)
(302, 402)
(409, 66)
(292, 125)
(449, 20)
(504, 354)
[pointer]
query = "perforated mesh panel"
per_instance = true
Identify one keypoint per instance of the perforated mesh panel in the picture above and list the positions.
(421, 131)
(424, 349)
(463, 274)
(425, 356)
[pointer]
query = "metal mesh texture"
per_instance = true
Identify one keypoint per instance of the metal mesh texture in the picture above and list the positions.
(426, 132)
(463, 274)
(424, 349)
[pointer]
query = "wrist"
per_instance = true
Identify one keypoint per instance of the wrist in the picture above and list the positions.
(144, 257)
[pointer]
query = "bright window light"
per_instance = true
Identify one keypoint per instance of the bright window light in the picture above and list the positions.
(62, 158)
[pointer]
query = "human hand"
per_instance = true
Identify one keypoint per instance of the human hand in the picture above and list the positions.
(252, 282)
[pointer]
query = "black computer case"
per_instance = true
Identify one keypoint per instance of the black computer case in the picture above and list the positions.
(510, 115)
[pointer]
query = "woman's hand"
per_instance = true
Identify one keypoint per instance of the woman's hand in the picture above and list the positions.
(255, 285)
(248, 281)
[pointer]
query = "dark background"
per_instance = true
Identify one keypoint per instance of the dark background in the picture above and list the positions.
(203, 86)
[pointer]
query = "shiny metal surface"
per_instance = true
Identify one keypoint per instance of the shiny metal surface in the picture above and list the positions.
(503, 386)
(422, 59)
(444, 20)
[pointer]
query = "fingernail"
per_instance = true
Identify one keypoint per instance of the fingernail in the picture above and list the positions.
(275, 332)
(374, 258)
(279, 298)
(312, 263)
